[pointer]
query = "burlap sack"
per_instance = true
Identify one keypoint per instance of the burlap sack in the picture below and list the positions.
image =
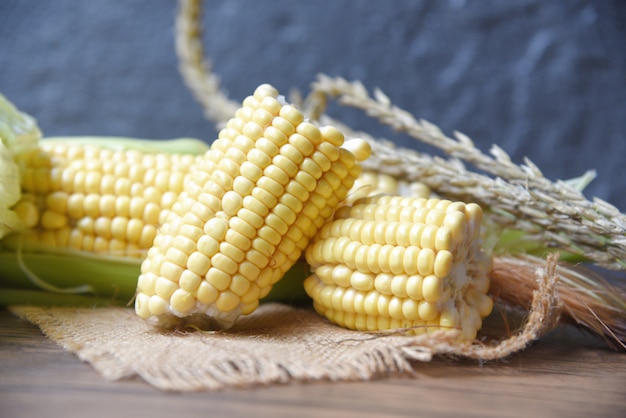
(275, 344)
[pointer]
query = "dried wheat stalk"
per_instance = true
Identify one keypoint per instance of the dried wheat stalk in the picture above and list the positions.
(519, 195)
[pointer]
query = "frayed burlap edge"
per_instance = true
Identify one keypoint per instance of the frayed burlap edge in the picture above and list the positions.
(275, 344)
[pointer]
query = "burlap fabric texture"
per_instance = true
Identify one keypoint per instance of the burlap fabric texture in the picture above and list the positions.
(275, 344)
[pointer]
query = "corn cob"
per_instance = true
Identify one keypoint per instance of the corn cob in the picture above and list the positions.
(83, 214)
(265, 187)
(391, 262)
(99, 196)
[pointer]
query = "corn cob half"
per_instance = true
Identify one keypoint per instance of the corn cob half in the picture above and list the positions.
(265, 187)
(85, 212)
(391, 262)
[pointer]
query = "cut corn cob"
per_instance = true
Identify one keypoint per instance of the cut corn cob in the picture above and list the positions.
(390, 262)
(265, 187)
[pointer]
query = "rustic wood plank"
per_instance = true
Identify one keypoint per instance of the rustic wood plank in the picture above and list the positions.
(566, 374)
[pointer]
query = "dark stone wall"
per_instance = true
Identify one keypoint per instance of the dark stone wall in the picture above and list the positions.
(542, 79)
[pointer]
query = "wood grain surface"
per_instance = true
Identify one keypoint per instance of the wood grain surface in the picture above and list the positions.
(567, 374)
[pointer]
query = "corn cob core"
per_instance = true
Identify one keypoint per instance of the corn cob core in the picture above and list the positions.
(97, 199)
(265, 187)
(389, 262)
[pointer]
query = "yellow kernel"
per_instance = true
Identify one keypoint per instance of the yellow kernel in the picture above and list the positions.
(456, 222)
(287, 214)
(53, 220)
(310, 131)
(428, 237)
(176, 256)
(276, 223)
(394, 308)
(276, 136)
(148, 232)
(265, 281)
(151, 213)
(182, 301)
(263, 91)
(443, 238)
(252, 130)
(198, 263)
(224, 263)
(207, 294)
(134, 228)
(240, 233)
(360, 258)
(396, 260)
(276, 174)
(332, 135)
(283, 125)
(189, 281)
(262, 117)
(232, 252)
(291, 153)
(171, 271)
(231, 203)
(259, 258)
(432, 288)
(270, 235)
(270, 103)
(425, 261)
(382, 282)
(298, 191)
(443, 263)
(27, 212)
(398, 285)
(251, 171)
(306, 180)
(142, 306)
(102, 227)
(239, 285)
(290, 113)
(242, 185)
(264, 198)
(216, 228)
(370, 303)
(157, 305)
(248, 270)
(410, 259)
(360, 148)
(302, 144)
(414, 287)
(449, 317)
(164, 287)
(362, 281)
(227, 301)
(427, 310)
(57, 201)
(218, 278)
(410, 309)
(270, 185)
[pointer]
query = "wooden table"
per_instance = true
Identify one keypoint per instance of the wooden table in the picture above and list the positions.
(566, 374)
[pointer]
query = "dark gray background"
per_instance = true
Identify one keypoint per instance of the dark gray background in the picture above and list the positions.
(541, 78)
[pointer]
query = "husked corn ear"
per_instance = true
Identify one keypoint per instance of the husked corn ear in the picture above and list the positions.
(388, 262)
(95, 198)
(265, 187)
